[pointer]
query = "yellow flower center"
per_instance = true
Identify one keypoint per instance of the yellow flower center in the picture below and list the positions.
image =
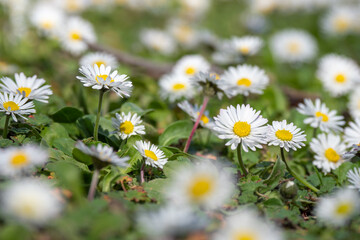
(244, 50)
(103, 77)
(340, 78)
(341, 24)
(190, 71)
(204, 119)
(332, 155)
(244, 82)
(217, 77)
(126, 127)
(183, 33)
(26, 90)
(201, 186)
(242, 129)
(344, 209)
(19, 159)
(178, 86)
(72, 5)
(47, 25)
(75, 36)
(27, 209)
(151, 154)
(325, 118)
(294, 47)
(244, 236)
(99, 63)
(284, 135)
(12, 105)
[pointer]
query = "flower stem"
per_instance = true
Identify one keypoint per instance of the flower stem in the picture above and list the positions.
(202, 110)
(6, 126)
(314, 133)
(295, 175)
(142, 178)
(94, 182)
(241, 163)
(96, 129)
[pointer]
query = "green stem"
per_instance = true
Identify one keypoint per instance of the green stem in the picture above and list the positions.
(241, 163)
(5, 132)
(295, 175)
(314, 133)
(96, 129)
(93, 185)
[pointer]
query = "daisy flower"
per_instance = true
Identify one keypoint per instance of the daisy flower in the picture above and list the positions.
(101, 78)
(354, 178)
(175, 87)
(262, 7)
(29, 87)
(171, 221)
(242, 124)
(245, 79)
(152, 154)
(246, 46)
(158, 40)
(338, 74)
(354, 151)
(210, 83)
(285, 135)
(194, 111)
(15, 105)
(72, 6)
(319, 116)
(200, 185)
(31, 201)
(352, 133)
(99, 58)
(194, 9)
(128, 125)
(103, 153)
(340, 20)
(183, 33)
(293, 46)
(337, 209)
(247, 224)
(354, 103)
(191, 65)
(17, 160)
(75, 34)
(328, 150)
(47, 18)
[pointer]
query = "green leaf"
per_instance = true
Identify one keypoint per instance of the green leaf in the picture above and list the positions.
(67, 115)
(342, 171)
(155, 188)
(54, 131)
(173, 166)
(66, 145)
(176, 131)
(131, 107)
(276, 174)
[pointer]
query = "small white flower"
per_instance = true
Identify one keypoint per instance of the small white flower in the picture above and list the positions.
(328, 150)
(152, 154)
(31, 201)
(15, 105)
(194, 111)
(99, 58)
(72, 6)
(210, 82)
(101, 78)
(29, 87)
(319, 116)
(170, 221)
(246, 46)
(354, 103)
(128, 125)
(242, 124)
(74, 34)
(158, 40)
(183, 33)
(15, 161)
(354, 178)
(247, 224)
(338, 209)
(175, 87)
(47, 18)
(245, 79)
(285, 135)
(340, 20)
(293, 46)
(200, 185)
(338, 74)
(194, 9)
(352, 133)
(190, 65)
(103, 153)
